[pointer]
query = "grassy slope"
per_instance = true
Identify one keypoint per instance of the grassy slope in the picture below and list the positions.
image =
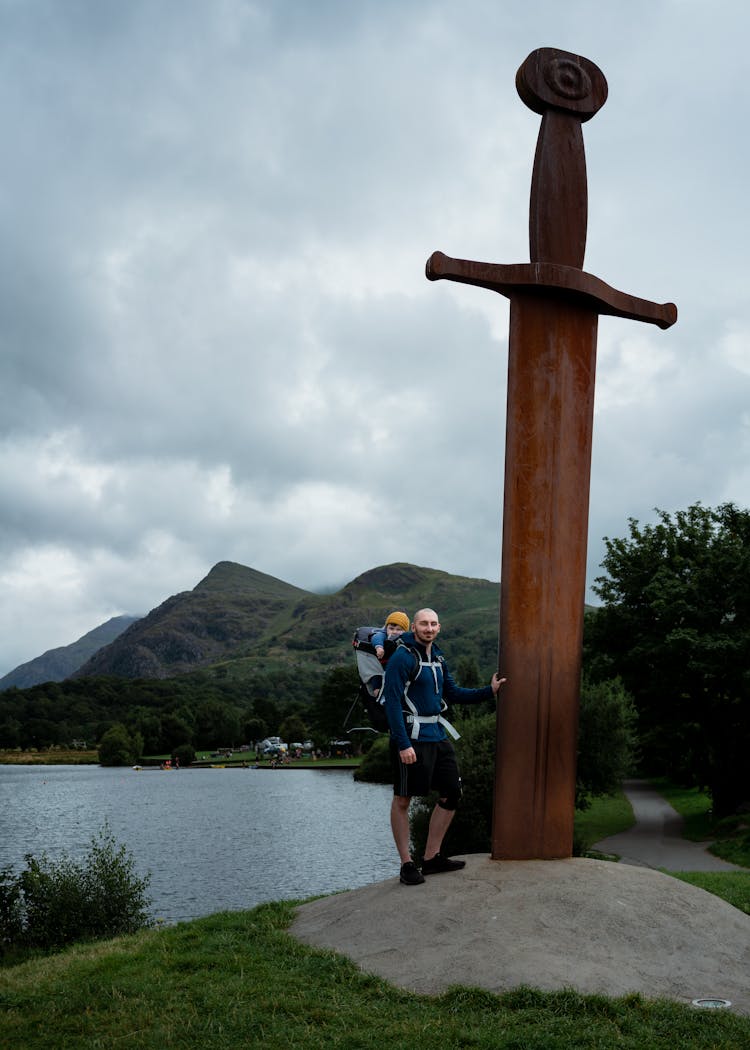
(239, 980)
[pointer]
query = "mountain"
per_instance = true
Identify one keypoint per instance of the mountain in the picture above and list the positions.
(242, 623)
(225, 615)
(60, 663)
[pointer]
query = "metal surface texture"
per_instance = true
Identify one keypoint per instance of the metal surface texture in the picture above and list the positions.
(554, 312)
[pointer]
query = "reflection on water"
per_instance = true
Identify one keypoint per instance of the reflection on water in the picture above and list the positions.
(212, 839)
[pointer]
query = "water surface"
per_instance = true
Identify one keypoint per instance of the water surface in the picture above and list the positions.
(212, 839)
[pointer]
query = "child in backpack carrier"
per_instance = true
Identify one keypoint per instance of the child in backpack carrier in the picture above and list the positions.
(384, 640)
(374, 646)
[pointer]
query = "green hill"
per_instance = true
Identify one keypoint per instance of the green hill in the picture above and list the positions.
(242, 622)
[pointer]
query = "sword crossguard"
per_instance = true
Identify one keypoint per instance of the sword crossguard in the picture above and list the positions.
(566, 90)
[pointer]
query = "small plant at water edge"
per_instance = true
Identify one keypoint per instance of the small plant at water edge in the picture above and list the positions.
(54, 903)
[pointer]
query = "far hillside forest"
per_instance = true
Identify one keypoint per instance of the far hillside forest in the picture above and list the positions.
(243, 656)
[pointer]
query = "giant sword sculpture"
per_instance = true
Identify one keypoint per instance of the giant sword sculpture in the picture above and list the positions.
(554, 312)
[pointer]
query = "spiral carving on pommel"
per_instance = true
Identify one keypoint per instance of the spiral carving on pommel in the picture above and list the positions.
(552, 79)
(567, 78)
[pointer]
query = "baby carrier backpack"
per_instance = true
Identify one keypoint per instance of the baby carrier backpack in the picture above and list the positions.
(371, 673)
(370, 695)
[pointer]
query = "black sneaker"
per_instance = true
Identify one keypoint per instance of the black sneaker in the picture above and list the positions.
(440, 863)
(410, 874)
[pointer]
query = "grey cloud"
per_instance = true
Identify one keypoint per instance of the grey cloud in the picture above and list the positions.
(214, 228)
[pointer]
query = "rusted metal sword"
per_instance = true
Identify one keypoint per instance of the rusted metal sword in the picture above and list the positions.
(554, 312)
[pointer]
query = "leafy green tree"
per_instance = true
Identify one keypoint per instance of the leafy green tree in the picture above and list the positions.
(149, 725)
(267, 710)
(185, 755)
(333, 701)
(173, 732)
(607, 739)
(467, 673)
(293, 729)
(217, 725)
(118, 747)
(253, 729)
(675, 627)
(10, 733)
(39, 732)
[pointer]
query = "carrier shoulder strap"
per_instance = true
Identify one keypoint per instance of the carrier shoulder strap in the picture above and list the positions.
(413, 718)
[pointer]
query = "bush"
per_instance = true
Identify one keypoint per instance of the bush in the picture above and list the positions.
(11, 909)
(606, 748)
(470, 829)
(51, 904)
(185, 754)
(119, 747)
(375, 767)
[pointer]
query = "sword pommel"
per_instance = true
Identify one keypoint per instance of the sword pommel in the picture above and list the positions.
(550, 78)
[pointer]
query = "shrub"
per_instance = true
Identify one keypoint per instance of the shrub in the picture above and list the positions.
(51, 904)
(185, 754)
(119, 747)
(470, 829)
(606, 748)
(11, 909)
(375, 767)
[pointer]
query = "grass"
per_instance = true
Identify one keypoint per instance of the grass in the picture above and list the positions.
(240, 759)
(604, 817)
(733, 886)
(693, 805)
(49, 757)
(239, 979)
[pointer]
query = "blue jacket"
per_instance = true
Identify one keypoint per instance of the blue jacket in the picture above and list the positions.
(433, 684)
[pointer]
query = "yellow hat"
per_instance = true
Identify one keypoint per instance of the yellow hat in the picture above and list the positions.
(398, 619)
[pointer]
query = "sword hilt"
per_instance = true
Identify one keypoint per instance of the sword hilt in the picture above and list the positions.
(567, 90)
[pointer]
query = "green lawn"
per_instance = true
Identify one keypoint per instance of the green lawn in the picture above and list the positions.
(240, 980)
(604, 817)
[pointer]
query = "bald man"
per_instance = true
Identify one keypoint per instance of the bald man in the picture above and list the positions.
(416, 690)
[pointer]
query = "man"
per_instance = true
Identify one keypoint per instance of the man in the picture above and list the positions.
(422, 757)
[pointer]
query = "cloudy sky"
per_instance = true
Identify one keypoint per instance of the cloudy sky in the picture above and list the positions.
(216, 337)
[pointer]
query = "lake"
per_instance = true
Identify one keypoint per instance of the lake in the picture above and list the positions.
(212, 839)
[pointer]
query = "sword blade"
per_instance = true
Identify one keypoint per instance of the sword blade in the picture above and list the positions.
(551, 373)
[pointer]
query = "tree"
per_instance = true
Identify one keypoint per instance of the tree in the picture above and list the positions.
(293, 730)
(119, 748)
(253, 729)
(467, 673)
(174, 731)
(335, 697)
(184, 755)
(217, 725)
(675, 627)
(607, 739)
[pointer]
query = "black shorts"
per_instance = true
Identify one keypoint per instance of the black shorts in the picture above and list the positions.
(436, 769)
